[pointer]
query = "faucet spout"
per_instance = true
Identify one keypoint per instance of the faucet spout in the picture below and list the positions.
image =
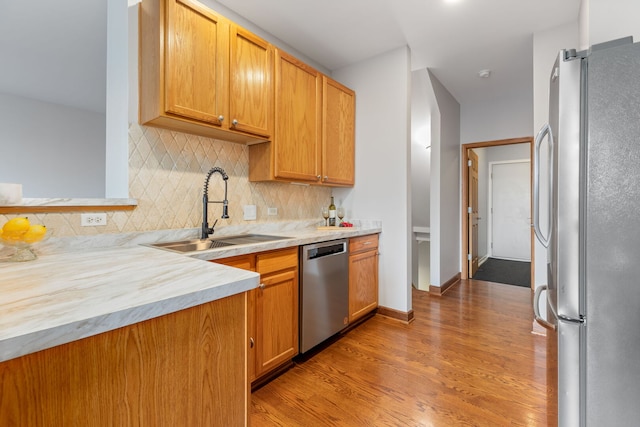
(206, 230)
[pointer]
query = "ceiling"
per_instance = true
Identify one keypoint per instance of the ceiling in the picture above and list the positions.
(453, 38)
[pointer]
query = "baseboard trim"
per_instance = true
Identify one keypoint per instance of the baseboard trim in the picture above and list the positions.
(439, 290)
(403, 316)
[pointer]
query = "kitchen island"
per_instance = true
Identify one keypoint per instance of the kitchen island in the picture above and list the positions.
(123, 336)
(129, 335)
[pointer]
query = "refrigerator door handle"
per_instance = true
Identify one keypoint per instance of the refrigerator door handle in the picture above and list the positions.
(536, 309)
(546, 130)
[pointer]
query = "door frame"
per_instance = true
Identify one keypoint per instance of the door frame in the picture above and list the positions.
(465, 196)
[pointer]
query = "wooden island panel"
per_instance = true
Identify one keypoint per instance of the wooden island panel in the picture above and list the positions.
(184, 368)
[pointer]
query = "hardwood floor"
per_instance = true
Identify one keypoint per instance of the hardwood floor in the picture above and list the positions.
(468, 359)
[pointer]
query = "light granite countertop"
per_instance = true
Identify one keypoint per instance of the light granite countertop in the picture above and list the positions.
(79, 287)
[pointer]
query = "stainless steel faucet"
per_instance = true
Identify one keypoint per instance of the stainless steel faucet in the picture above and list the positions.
(206, 231)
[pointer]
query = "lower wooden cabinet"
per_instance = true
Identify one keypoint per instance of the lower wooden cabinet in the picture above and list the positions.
(272, 317)
(363, 276)
(185, 368)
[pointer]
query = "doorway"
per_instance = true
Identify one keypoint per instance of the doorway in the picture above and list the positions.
(509, 222)
(470, 215)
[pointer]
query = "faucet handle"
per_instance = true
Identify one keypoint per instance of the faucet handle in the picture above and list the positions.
(213, 226)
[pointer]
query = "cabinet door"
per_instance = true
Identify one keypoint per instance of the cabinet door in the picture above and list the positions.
(298, 120)
(338, 133)
(363, 283)
(247, 262)
(250, 83)
(276, 320)
(196, 50)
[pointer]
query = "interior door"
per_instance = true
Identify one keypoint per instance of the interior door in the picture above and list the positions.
(472, 212)
(510, 210)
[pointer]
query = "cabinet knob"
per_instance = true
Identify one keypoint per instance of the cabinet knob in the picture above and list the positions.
(261, 285)
(221, 118)
(234, 122)
(319, 177)
(326, 178)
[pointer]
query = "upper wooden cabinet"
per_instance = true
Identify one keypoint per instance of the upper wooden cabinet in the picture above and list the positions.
(202, 74)
(251, 83)
(314, 138)
(338, 133)
(298, 103)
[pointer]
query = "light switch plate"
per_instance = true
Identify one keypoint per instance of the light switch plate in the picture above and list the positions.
(272, 211)
(250, 212)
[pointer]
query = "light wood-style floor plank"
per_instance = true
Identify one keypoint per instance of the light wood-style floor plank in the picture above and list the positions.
(468, 359)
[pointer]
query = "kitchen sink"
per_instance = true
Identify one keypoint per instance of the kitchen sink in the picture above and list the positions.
(216, 242)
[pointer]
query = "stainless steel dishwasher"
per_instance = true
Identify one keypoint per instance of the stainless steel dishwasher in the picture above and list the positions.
(324, 291)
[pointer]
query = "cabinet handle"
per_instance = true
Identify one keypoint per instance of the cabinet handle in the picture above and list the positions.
(251, 342)
(221, 118)
(234, 122)
(366, 243)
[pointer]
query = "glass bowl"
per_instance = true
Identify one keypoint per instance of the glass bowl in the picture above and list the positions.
(23, 250)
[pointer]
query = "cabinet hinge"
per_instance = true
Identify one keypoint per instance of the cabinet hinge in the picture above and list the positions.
(469, 163)
(469, 210)
(468, 257)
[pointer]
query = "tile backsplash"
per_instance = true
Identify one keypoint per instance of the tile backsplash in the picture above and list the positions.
(166, 175)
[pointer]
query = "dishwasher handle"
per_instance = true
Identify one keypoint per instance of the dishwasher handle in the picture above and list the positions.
(327, 250)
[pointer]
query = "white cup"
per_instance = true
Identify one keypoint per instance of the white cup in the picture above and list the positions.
(10, 194)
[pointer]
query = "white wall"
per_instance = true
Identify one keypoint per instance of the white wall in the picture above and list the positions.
(500, 118)
(52, 141)
(119, 62)
(382, 188)
(420, 154)
(613, 19)
(445, 185)
(420, 172)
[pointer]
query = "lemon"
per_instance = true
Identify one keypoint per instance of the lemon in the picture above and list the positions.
(15, 227)
(34, 234)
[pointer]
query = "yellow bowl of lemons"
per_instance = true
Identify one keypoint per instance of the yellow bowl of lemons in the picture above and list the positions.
(20, 233)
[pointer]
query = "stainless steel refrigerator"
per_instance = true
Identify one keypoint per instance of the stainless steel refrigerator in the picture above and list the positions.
(592, 143)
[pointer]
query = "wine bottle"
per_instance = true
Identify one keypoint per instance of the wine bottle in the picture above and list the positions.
(332, 214)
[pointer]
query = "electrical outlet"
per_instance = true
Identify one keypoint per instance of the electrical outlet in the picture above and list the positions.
(272, 211)
(93, 219)
(250, 212)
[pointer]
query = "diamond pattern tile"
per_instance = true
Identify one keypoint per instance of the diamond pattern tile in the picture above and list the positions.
(166, 175)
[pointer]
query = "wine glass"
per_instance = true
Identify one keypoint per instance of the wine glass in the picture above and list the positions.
(340, 214)
(325, 215)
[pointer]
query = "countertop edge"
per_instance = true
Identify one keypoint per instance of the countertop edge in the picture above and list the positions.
(22, 345)
(36, 339)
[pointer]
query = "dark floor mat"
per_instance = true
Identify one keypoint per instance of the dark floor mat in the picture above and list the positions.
(503, 271)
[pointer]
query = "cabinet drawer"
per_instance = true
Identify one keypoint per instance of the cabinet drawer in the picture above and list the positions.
(268, 262)
(245, 262)
(363, 243)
